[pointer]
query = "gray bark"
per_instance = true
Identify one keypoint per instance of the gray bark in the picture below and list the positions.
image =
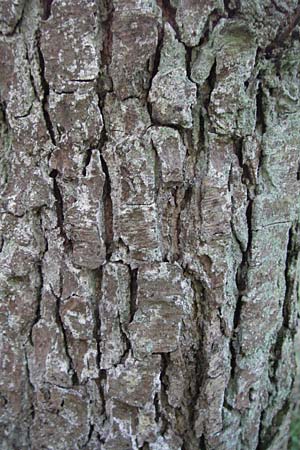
(149, 223)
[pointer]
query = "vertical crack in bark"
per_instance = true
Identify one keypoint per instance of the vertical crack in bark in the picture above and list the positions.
(177, 225)
(286, 328)
(32, 82)
(37, 315)
(46, 92)
(108, 13)
(202, 445)
(210, 81)
(133, 292)
(164, 422)
(100, 383)
(108, 210)
(46, 4)
(155, 68)
(157, 171)
(96, 298)
(232, 7)
(60, 210)
(6, 143)
(242, 271)
(289, 274)
(195, 381)
(30, 394)
(40, 287)
(260, 115)
(157, 408)
(188, 62)
(199, 304)
(61, 326)
(87, 160)
(89, 437)
(267, 436)
(169, 15)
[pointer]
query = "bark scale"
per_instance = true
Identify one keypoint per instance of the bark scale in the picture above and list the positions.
(149, 223)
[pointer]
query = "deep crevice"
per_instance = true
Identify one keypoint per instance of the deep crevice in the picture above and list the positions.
(211, 80)
(188, 62)
(202, 445)
(30, 74)
(87, 160)
(46, 92)
(133, 292)
(200, 366)
(106, 52)
(164, 384)
(232, 11)
(260, 116)
(60, 210)
(291, 259)
(91, 430)
(31, 386)
(100, 382)
(46, 4)
(61, 326)
(157, 408)
(39, 301)
(169, 15)
(108, 210)
(266, 437)
(96, 298)
(155, 68)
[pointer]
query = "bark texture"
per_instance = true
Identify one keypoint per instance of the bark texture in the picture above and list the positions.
(149, 223)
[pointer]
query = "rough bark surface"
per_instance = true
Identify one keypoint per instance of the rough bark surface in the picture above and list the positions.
(149, 223)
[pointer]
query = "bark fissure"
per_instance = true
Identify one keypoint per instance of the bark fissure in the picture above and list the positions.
(232, 11)
(289, 273)
(96, 298)
(107, 21)
(59, 206)
(163, 415)
(155, 67)
(37, 315)
(108, 210)
(46, 9)
(133, 292)
(46, 92)
(169, 15)
(211, 80)
(87, 160)
(61, 327)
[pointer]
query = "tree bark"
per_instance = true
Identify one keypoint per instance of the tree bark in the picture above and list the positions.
(149, 223)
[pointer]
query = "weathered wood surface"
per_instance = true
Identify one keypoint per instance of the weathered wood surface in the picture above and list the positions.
(149, 223)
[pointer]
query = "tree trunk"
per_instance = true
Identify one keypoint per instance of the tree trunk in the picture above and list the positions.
(149, 223)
